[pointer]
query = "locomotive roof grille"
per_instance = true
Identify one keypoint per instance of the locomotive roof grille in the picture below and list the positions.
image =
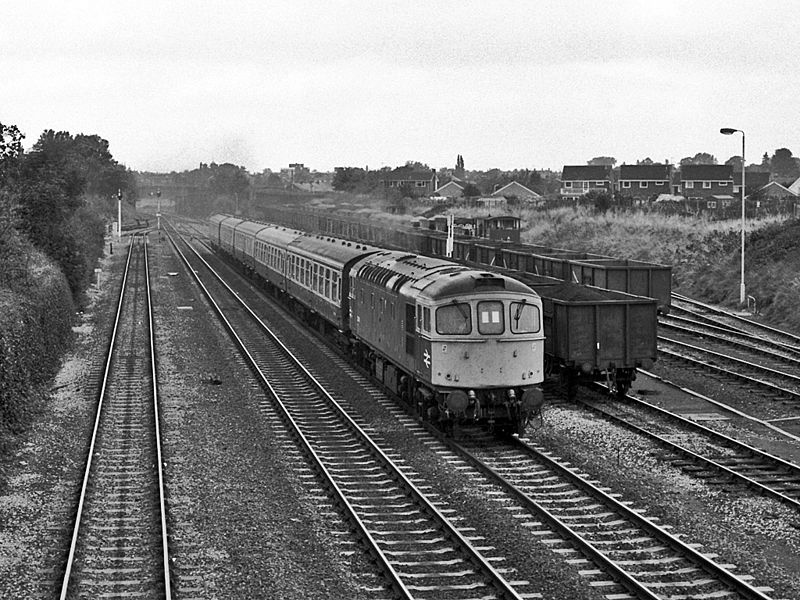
(487, 280)
(399, 283)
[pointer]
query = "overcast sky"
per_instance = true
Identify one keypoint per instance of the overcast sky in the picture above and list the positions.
(506, 84)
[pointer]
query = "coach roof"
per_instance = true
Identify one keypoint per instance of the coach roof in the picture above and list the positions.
(333, 249)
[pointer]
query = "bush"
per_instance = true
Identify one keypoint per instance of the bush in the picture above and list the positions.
(36, 313)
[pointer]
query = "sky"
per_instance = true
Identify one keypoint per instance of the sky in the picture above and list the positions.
(506, 84)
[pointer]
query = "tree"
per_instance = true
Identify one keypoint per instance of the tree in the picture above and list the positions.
(701, 158)
(603, 160)
(471, 191)
(600, 200)
(783, 164)
(10, 152)
(50, 191)
(346, 179)
(10, 143)
(459, 170)
(735, 162)
(414, 165)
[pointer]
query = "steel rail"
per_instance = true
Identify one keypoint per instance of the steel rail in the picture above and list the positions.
(698, 457)
(738, 584)
(733, 359)
(159, 459)
(82, 498)
(744, 341)
(739, 318)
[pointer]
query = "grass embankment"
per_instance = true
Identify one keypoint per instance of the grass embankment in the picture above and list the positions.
(704, 255)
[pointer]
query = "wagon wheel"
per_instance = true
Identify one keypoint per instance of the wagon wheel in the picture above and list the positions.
(619, 384)
(569, 383)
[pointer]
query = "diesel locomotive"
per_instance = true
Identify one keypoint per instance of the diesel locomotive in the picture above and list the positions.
(458, 344)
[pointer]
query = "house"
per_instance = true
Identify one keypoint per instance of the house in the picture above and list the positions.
(774, 191)
(581, 179)
(794, 188)
(707, 182)
(410, 181)
(643, 182)
(451, 189)
(753, 180)
(518, 191)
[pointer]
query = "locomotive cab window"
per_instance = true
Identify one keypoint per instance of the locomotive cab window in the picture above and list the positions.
(524, 317)
(454, 319)
(490, 317)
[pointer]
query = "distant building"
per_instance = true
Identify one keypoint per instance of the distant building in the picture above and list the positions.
(753, 180)
(581, 179)
(643, 182)
(518, 191)
(707, 182)
(418, 183)
(451, 189)
(774, 191)
(794, 188)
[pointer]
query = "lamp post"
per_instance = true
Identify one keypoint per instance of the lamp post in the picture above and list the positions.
(158, 210)
(729, 131)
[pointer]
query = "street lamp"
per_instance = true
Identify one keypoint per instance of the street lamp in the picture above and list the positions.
(729, 131)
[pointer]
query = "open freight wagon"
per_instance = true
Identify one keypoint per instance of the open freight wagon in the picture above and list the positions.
(594, 334)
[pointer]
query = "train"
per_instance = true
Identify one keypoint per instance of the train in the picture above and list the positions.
(458, 344)
(600, 314)
(637, 278)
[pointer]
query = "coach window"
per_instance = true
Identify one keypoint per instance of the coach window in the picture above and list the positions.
(524, 317)
(490, 317)
(335, 283)
(327, 283)
(426, 319)
(419, 317)
(454, 319)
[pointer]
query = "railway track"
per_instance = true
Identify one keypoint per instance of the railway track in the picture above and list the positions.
(119, 541)
(764, 360)
(713, 456)
(419, 551)
(715, 316)
(631, 549)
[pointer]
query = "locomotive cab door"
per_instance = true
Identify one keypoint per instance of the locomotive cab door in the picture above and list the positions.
(423, 342)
